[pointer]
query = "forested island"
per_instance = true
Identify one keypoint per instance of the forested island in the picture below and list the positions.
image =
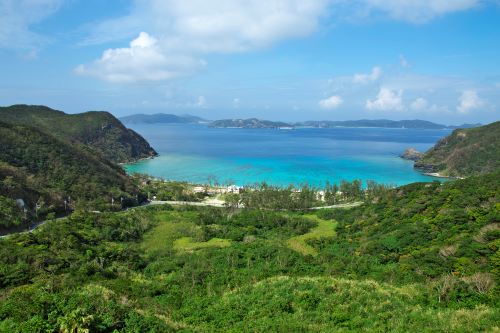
(380, 123)
(247, 123)
(134, 254)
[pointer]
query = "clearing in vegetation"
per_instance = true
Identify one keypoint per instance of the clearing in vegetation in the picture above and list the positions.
(188, 244)
(324, 229)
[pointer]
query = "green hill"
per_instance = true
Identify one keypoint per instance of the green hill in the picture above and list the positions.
(465, 152)
(38, 167)
(99, 130)
(419, 258)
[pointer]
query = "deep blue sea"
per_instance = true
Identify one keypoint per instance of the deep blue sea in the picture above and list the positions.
(195, 153)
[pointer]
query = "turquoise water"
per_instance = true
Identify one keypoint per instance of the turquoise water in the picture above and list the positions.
(196, 154)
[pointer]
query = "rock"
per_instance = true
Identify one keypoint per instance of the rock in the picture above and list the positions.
(412, 154)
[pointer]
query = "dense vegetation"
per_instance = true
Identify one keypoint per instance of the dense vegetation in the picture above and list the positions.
(54, 175)
(465, 152)
(100, 131)
(421, 258)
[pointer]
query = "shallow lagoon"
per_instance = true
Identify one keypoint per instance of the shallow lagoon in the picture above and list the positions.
(196, 153)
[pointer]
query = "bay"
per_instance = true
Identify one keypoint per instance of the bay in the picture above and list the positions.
(197, 154)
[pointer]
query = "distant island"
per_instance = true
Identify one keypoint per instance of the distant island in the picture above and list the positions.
(248, 123)
(381, 123)
(377, 123)
(162, 118)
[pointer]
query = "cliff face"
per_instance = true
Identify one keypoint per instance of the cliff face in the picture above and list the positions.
(465, 152)
(100, 131)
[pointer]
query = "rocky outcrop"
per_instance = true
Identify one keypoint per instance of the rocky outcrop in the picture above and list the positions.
(412, 154)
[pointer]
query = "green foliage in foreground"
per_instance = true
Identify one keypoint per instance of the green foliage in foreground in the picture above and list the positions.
(422, 258)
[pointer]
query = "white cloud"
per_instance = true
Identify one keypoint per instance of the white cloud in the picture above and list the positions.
(16, 18)
(331, 102)
(419, 104)
(468, 101)
(188, 30)
(367, 78)
(236, 103)
(387, 100)
(201, 102)
(419, 11)
(143, 60)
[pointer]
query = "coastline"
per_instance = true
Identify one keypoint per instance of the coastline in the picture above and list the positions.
(138, 160)
(438, 175)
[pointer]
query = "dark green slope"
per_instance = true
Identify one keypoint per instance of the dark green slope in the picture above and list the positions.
(465, 152)
(37, 167)
(98, 130)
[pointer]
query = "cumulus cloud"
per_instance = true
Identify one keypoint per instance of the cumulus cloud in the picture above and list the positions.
(17, 16)
(143, 60)
(367, 78)
(331, 102)
(419, 104)
(419, 11)
(386, 100)
(188, 30)
(468, 101)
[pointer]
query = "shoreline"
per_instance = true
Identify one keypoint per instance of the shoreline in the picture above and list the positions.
(139, 160)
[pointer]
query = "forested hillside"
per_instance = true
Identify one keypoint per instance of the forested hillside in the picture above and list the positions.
(465, 152)
(420, 258)
(41, 169)
(100, 131)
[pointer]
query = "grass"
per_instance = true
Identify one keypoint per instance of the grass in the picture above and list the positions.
(176, 231)
(171, 226)
(187, 244)
(325, 304)
(324, 229)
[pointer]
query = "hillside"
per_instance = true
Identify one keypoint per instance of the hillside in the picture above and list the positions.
(247, 123)
(99, 130)
(161, 118)
(464, 153)
(39, 168)
(420, 258)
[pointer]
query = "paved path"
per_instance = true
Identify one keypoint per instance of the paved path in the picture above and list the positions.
(220, 203)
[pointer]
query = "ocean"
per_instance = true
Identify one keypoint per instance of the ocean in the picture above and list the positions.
(198, 154)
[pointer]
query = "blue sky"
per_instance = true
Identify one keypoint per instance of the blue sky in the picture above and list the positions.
(274, 59)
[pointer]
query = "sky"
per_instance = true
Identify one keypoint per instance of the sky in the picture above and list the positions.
(289, 60)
